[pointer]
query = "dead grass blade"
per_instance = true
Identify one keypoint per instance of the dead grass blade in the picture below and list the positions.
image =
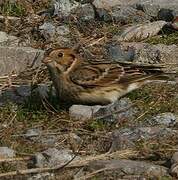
(73, 163)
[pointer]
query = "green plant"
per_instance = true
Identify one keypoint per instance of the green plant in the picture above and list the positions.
(12, 9)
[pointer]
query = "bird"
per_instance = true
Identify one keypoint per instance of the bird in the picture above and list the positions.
(98, 83)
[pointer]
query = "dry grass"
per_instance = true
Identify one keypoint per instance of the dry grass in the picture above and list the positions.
(15, 119)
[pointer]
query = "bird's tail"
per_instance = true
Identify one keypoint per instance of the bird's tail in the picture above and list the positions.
(156, 73)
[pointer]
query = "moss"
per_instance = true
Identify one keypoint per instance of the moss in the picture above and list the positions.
(12, 9)
(96, 125)
(168, 39)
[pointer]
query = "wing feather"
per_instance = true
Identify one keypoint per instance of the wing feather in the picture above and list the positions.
(105, 74)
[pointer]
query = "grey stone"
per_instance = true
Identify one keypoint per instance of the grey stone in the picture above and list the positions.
(42, 176)
(121, 168)
(166, 15)
(48, 30)
(116, 53)
(82, 112)
(120, 110)
(174, 166)
(122, 14)
(128, 137)
(128, 14)
(21, 93)
(48, 140)
(174, 159)
(8, 40)
(17, 59)
(105, 4)
(168, 4)
(85, 12)
(75, 141)
(37, 136)
(53, 157)
(64, 7)
(59, 34)
(104, 15)
(62, 30)
(76, 138)
(17, 94)
(146, 53)
(6, 152)
(167, 119)
(32, 133)
(150, 10)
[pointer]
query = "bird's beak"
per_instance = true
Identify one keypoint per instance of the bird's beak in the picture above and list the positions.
(46, 60)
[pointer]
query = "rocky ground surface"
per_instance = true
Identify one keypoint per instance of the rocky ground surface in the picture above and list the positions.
(133, 138)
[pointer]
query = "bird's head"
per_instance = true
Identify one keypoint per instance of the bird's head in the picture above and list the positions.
(62, 60)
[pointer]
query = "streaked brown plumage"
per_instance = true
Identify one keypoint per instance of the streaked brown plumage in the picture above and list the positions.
(96, 83)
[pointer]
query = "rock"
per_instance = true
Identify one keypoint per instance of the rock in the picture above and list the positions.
(167, 15)
(174, 166)
(62, 30)
(104, 15)
(21, 93)
(121, 168)
(116, 53)
(6, 152)
(17, 94)
(127, 14)
(167, 4)
(32, 133)
(174, 159)
(82, 112)
(42, 176)
(85, 12)
(120, 110)
(166, 119)
(17, 59)
(153, 54)
(59, 34)
(47, 30)
(53, 157)
(64, 7)
(151, 10)
(141, 31)
(8, 40)
(128, 137)
(148, 54)
(122, 14)
(105, 4)
(37, 136)
(75, 141)
(63, 36)
(48, 140)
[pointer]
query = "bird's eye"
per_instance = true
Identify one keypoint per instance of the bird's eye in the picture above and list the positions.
(60, 55)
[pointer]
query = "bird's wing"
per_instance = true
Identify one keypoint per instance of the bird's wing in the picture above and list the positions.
(106, 74)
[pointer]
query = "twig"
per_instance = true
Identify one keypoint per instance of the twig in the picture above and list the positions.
(6, 77)
(15, 159)
(72, 163)
(96, 41)
(90, 175)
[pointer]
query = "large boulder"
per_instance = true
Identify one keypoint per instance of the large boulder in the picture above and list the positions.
(17, 59)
